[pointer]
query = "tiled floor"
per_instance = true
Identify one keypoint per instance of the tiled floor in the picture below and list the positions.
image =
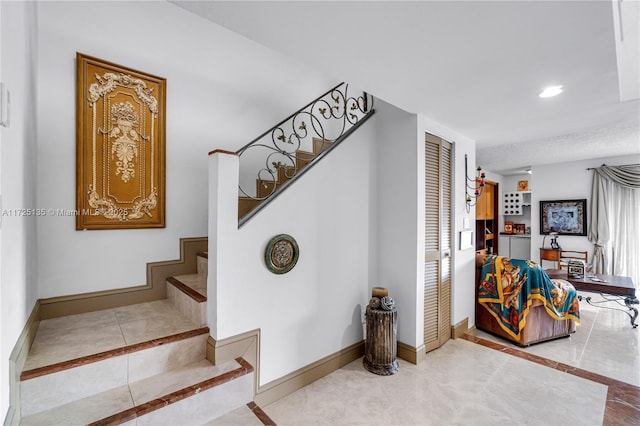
(486, 380)
(460, 383)
(604, 343)
(465, 382)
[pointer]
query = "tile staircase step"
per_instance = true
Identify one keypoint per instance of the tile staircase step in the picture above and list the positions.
(285, 173)
(188, 293)
(81, 355)
(202, 263)
(305, 155)
(243, 416)
(320, 145)
(194, 393)
(119, 366)
(303, 158)
(245, 205)
(82, 377)
(83, 411)
(213, 391)
(264, 188)
(45, 392)
(86, 336)
(192, 285)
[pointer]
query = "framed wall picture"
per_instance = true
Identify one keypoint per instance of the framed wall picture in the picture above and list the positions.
(120, 146)
(523, 185)
(566, 217)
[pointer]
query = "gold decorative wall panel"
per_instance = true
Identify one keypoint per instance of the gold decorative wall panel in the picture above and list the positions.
(120, 147)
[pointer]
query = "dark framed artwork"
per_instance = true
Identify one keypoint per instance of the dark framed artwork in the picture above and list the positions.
(566, 217)
(120, 146)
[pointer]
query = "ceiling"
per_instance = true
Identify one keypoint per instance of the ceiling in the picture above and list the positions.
(475, 67)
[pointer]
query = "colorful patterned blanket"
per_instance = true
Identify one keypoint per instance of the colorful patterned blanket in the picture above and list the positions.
(508, 287)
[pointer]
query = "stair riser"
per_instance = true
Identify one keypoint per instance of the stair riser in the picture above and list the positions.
(192, 309)
(320, 145)
(264, 188)
(202, 265)
(245, 205)
(301, 162)
(95, 407)
(205, 405)
(62, 387)
(285, 173)
(52, 390)
(166, 357)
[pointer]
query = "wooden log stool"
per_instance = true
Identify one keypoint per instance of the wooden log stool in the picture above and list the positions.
(381, 343)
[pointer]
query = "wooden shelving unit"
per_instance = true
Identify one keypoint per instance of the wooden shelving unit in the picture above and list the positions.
(487, 211)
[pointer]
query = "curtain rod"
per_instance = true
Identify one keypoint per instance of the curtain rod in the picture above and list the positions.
(620, 165)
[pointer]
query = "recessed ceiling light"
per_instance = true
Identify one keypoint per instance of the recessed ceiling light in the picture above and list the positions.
(550, 91)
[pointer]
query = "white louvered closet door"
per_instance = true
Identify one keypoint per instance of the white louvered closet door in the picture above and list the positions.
(438, 242)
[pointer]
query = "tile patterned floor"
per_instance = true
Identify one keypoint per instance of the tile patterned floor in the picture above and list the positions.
(604, 343)
(593, 377)
(459, 383)
(623, 400)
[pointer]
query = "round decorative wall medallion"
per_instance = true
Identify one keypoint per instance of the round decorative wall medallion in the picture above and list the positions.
(281, 254)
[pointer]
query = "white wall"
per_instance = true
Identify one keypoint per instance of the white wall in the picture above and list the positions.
(222, 91)
(18, 262)
(510, 183)
(315, 309)
(565, 181)
(400, 169)
(399, 211)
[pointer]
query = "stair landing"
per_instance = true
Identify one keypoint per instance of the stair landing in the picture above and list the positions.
(138, 364)
(85, 335)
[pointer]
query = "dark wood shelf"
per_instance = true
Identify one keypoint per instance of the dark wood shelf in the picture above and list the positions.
(487, 219)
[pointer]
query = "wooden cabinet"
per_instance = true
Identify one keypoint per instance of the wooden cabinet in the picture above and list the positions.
(485, 208)
(552, 255)
(487, 218)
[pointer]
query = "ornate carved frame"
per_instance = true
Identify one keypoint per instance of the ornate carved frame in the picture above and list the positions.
(120, 147)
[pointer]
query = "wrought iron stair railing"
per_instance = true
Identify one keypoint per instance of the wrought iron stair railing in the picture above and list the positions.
(273, 160)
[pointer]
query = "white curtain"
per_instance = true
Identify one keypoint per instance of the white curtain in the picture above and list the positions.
(615, 221)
